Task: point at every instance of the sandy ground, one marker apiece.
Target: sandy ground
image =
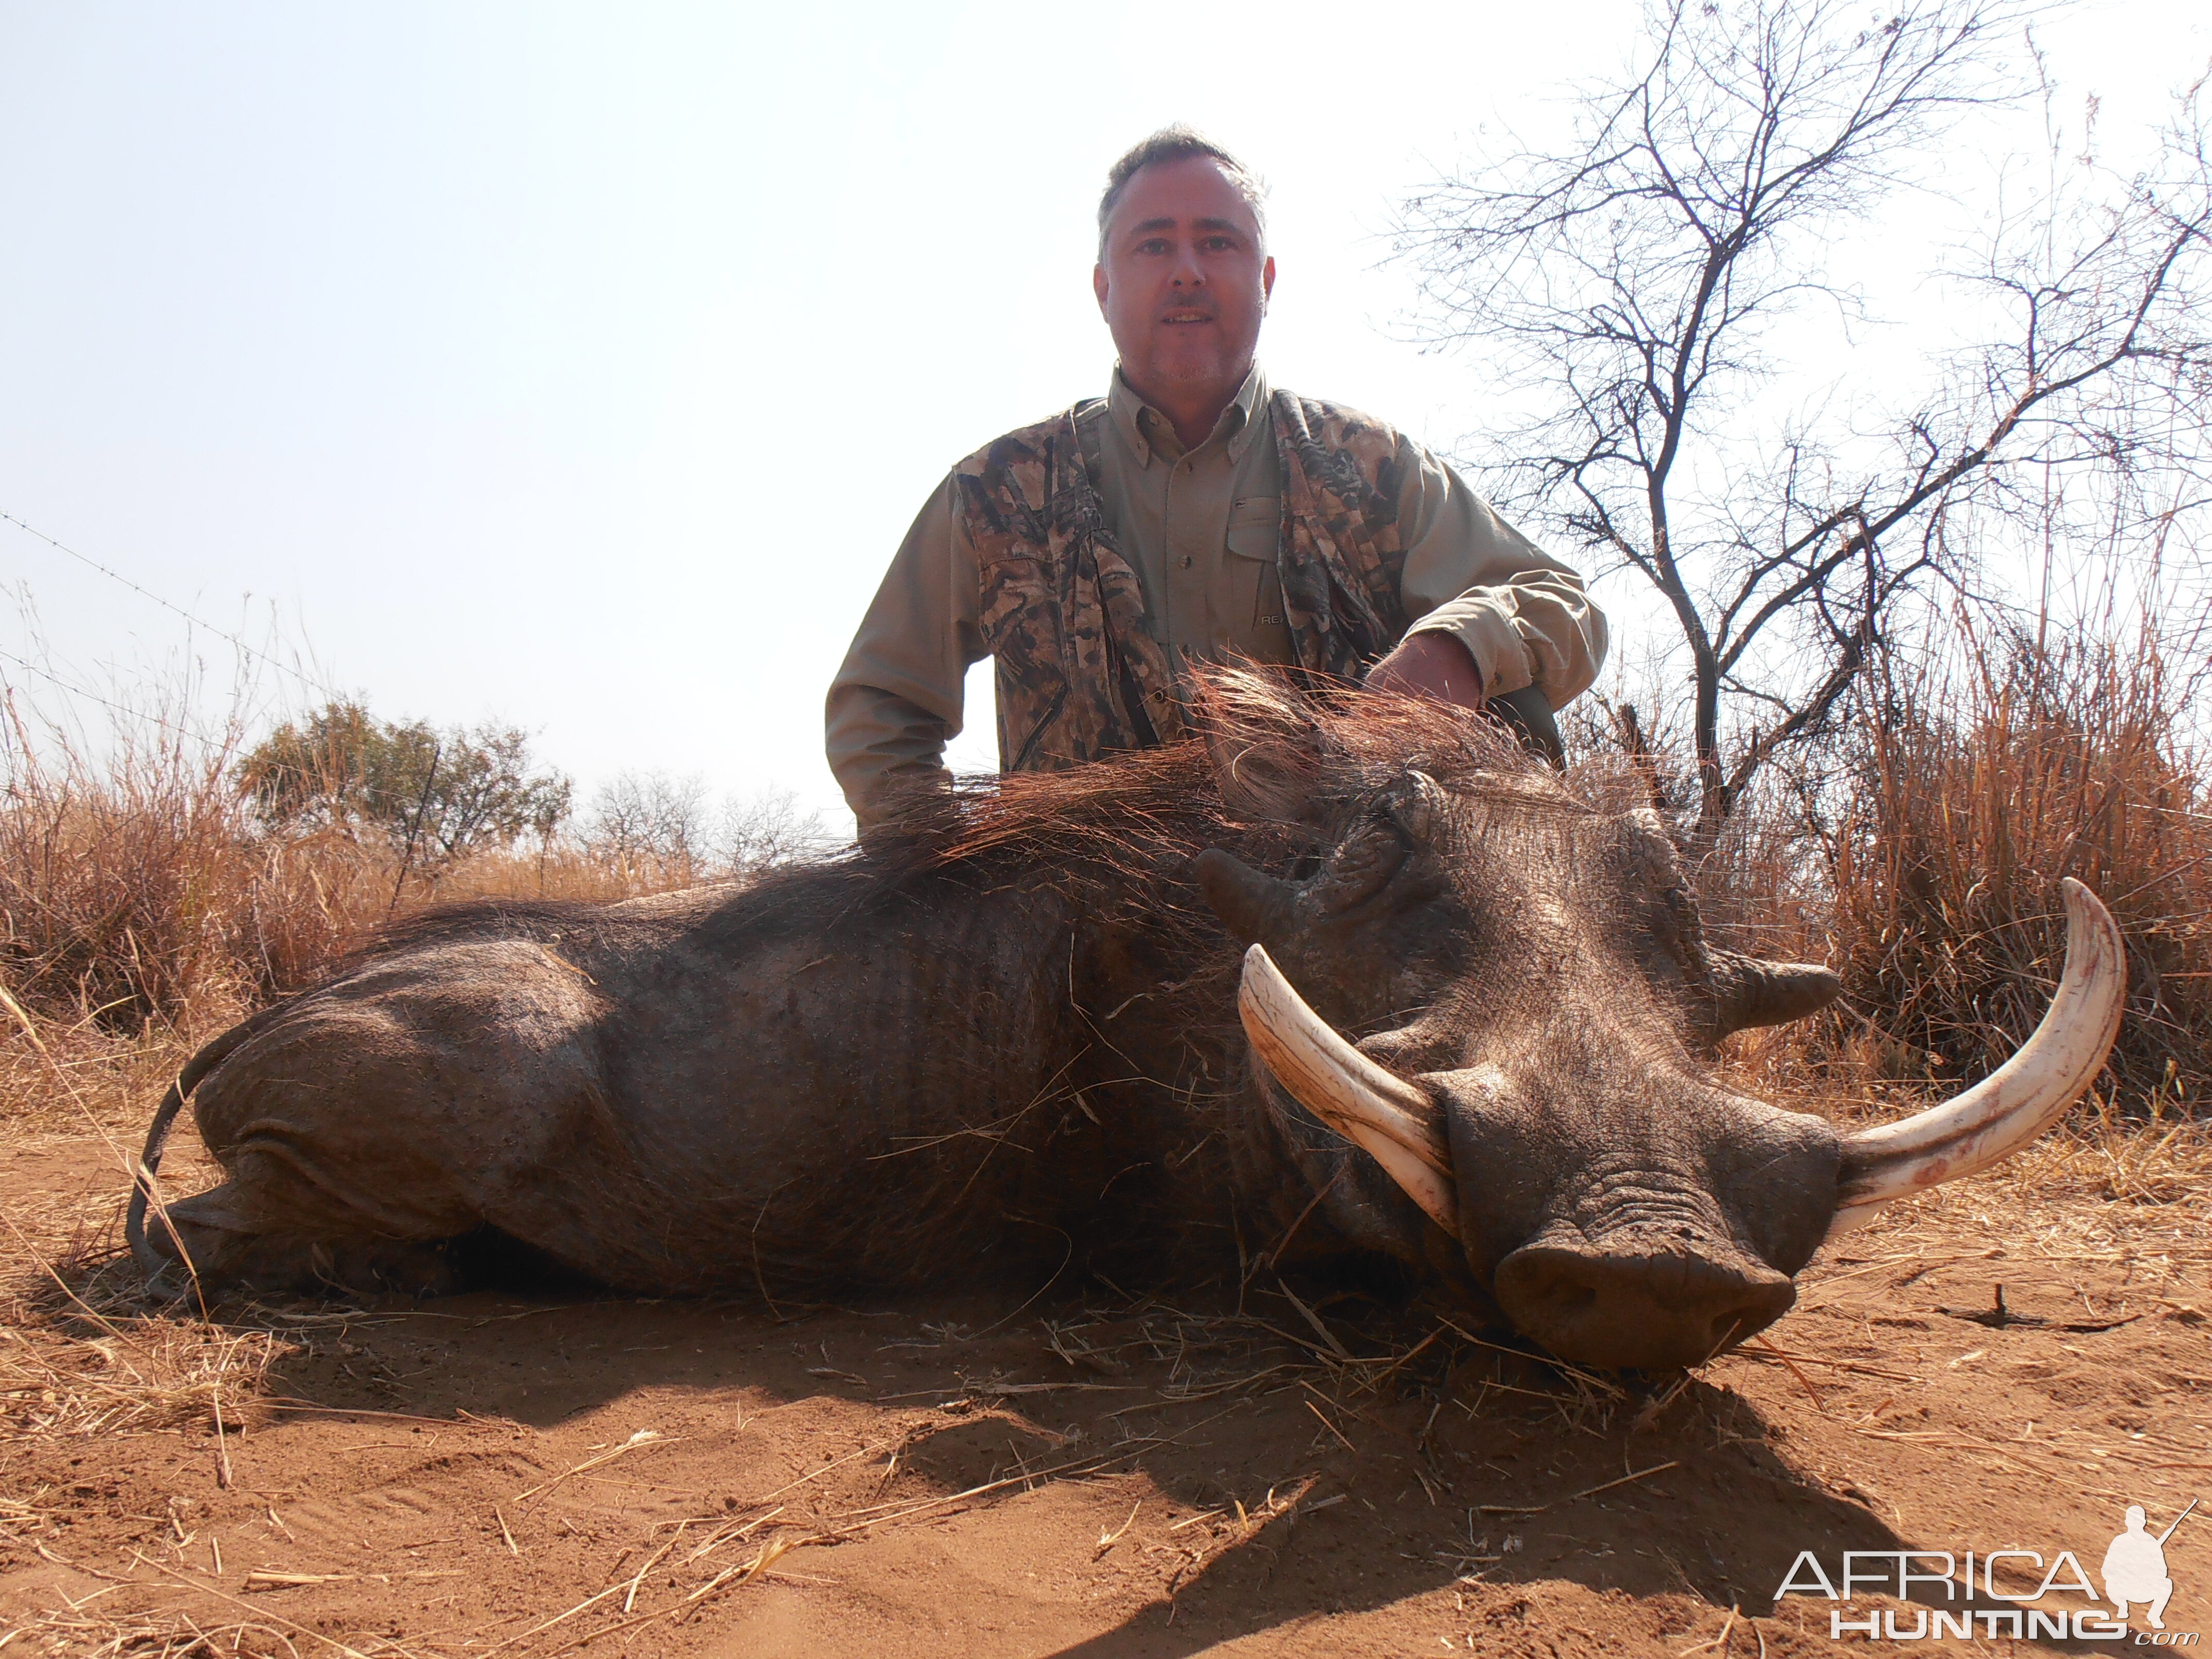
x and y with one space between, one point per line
1105 1476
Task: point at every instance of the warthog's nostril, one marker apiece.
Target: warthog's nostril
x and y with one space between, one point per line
1646 1304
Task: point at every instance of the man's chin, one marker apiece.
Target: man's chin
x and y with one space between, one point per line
1194 371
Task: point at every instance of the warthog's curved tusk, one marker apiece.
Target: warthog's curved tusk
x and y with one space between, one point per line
2016 1102
1385 1117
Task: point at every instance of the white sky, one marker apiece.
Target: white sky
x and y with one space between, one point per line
582 367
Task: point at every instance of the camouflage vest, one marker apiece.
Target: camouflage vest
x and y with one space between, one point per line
1079 674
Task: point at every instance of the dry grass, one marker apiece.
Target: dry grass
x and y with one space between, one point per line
1976 785
1919 853
138 887
143 908
92 1632
2106 1155
81 1352
134 1376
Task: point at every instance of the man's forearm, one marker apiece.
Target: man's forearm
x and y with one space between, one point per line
1539 628
1523 615
896 698
1437 665
881 746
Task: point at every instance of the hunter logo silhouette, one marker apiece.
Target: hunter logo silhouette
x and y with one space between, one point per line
2134 1572
2135 1568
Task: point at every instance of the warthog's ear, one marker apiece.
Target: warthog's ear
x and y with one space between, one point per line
1751 991
1264 744
1255 908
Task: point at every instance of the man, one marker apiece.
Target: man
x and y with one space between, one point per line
1191 515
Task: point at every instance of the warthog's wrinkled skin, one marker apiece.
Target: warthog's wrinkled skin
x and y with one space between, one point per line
1002 1043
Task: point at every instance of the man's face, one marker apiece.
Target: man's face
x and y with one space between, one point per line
1184 282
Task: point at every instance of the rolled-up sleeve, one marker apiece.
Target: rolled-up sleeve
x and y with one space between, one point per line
1523 616
895 701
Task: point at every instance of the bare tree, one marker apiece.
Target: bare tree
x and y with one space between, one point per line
1622 292
642 817
650 815
766 830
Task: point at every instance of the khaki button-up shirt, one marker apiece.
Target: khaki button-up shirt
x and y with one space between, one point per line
1200 528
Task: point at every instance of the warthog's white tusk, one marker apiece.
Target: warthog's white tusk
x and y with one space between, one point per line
1385 1117
2016 1102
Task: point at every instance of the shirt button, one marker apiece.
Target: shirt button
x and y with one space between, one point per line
1186 561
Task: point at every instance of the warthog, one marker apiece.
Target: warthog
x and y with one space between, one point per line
1004 1039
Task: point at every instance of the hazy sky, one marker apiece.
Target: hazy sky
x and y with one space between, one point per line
582 367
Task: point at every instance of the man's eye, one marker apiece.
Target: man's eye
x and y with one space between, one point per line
1154 245
1217 244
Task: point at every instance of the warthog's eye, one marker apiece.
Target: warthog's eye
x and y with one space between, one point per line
1418 804
1360 867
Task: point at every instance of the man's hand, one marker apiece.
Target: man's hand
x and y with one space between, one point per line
1432 665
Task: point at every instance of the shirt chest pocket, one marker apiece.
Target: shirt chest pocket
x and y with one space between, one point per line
1256 527
1250 612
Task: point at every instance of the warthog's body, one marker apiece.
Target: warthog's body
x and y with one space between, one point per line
1008 1041
804 1082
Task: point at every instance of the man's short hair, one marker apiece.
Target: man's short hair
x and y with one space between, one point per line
1177 144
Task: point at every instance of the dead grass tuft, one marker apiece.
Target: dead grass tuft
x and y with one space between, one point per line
82 1354
91 1631
139 1375
1918 853
2103 1155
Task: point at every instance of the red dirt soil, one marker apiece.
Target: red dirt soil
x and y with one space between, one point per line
1094 1473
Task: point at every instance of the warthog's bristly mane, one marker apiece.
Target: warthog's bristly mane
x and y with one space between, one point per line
1273 774
1276 774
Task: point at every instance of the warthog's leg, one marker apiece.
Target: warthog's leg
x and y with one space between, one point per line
249 1232
227 1251
370 1128
315 1198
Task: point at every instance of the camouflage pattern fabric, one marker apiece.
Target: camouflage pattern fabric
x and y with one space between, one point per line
1340 558
1079 674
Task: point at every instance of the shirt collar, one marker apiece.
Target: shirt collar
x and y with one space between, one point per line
1139 421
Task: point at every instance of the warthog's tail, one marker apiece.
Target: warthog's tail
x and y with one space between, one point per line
157 1139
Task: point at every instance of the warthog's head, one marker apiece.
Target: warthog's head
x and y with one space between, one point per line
1531 993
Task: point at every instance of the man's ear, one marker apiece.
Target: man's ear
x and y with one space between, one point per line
1266 282
1098 284
1262 741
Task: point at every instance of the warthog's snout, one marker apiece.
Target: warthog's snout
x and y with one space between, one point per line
1651 1304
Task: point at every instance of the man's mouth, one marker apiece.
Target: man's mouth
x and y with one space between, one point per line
1185 317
